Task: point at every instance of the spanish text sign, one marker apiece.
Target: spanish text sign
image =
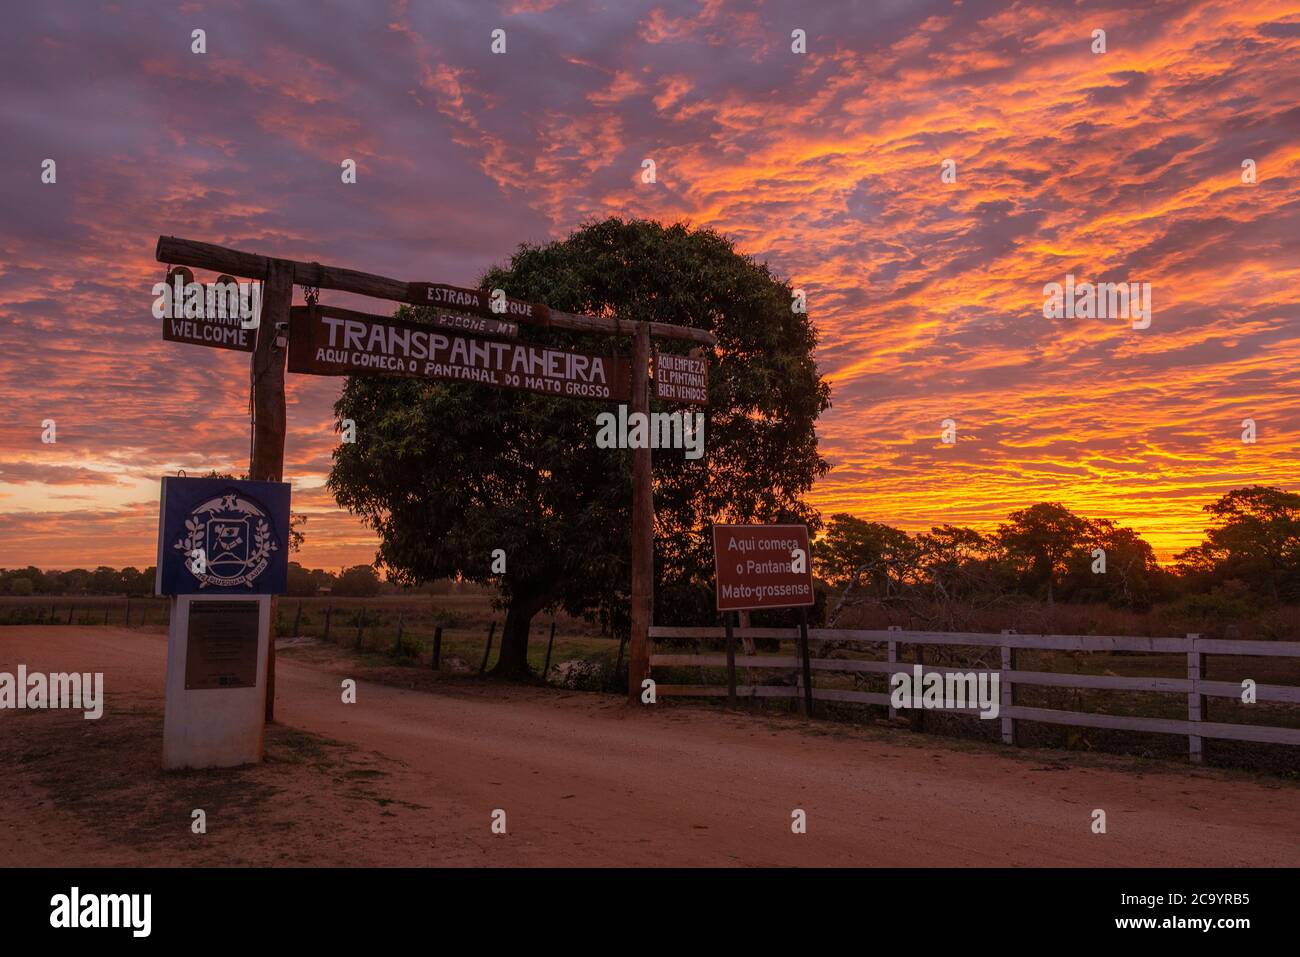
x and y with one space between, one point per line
762 566
223 536
681 378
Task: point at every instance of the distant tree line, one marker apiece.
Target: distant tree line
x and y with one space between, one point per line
1251 553
76 581
1047 552
359 581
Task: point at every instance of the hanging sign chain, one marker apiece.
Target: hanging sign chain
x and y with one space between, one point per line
311 293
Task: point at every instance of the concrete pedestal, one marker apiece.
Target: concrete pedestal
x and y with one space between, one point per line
215 723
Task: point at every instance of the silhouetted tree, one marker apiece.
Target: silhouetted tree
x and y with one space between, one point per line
1257 541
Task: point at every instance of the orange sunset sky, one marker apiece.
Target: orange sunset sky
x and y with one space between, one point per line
1118 166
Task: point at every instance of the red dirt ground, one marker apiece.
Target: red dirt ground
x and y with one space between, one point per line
411 777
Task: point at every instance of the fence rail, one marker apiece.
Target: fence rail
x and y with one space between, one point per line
1194 686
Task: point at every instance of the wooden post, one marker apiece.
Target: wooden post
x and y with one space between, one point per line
361 624
397 645
71 609
643 520
126 620
807 661
488 650
329 610
747 646
549 644
891 655
437 647
1195 700
1005 691
267 462
731 660
297 621
918 713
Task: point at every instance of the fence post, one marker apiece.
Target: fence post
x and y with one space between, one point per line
297 620
329 610
437 647
547 667
892 657
361 625
488 650
807 661
71 609
1006 697
397 645
918 712
127 619
1195 700
731 660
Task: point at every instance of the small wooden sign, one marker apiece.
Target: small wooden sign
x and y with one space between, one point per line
477 325
221 650
478 301
755 566
681 378
220 328
223 333
330 341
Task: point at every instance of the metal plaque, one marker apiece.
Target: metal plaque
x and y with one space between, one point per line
222 645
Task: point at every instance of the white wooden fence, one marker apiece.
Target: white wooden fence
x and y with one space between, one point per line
1193 647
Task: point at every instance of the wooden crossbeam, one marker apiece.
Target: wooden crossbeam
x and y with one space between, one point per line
188 252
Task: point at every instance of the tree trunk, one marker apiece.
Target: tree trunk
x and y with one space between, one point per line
513 660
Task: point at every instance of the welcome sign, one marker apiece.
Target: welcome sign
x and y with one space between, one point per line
223 536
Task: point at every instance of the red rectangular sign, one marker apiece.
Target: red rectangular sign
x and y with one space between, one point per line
755 566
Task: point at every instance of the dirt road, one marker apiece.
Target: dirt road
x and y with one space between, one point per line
412 777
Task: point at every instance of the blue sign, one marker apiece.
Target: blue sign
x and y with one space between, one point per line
223 537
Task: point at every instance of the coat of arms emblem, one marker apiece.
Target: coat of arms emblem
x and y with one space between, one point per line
228 542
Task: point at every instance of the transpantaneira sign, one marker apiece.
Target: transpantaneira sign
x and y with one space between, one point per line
762 566
328 341
681 378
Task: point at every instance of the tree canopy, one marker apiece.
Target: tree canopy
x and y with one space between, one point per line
1256 540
